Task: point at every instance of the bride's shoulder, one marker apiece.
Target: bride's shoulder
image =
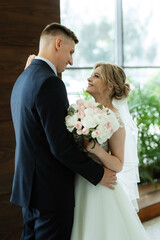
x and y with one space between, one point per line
118 116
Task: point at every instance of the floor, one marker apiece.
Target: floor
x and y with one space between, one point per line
153 228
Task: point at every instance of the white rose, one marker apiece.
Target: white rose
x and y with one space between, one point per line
113 121
100 118
70 129
89 104
71 121
73 106
104 134
89 112
89 122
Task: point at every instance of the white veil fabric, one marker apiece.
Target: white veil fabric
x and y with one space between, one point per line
129 176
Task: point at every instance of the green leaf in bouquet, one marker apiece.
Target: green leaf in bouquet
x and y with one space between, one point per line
100 106
92 129
94 140
74 131
71 111
108 112
88 135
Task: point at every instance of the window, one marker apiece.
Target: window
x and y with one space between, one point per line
119 31
141 34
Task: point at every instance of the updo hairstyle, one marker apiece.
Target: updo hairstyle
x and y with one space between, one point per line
115 78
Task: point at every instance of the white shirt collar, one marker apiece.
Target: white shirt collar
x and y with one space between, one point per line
48 62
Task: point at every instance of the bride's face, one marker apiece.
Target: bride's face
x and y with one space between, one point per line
96 85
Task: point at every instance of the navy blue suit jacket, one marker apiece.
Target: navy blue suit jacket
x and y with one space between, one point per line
46 156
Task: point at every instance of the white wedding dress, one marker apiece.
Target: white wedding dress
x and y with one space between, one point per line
104 214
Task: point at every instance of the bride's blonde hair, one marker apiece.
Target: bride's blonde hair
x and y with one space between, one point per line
115 78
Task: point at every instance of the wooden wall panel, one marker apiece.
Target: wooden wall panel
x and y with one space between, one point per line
21 23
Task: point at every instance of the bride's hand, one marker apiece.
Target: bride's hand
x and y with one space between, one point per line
89 146
29 60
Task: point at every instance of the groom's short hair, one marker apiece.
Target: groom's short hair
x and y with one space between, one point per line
55 29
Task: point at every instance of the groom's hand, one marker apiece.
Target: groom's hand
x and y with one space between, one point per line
109 178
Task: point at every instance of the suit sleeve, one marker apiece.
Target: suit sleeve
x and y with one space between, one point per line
51 104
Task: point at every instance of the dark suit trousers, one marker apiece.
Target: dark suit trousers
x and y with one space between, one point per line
46 225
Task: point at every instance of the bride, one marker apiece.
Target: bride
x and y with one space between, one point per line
102 213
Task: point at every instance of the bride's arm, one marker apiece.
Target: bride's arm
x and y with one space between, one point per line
113 161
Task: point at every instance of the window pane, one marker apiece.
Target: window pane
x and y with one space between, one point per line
141 32
143 75
93 23
75 81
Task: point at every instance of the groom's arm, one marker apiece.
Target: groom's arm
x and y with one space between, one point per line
52 106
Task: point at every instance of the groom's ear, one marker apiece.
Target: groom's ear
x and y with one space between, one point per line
57 43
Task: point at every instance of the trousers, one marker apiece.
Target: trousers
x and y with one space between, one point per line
46 224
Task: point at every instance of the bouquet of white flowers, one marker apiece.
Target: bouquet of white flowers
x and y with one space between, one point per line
92 120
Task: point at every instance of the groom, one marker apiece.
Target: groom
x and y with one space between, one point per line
46 156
